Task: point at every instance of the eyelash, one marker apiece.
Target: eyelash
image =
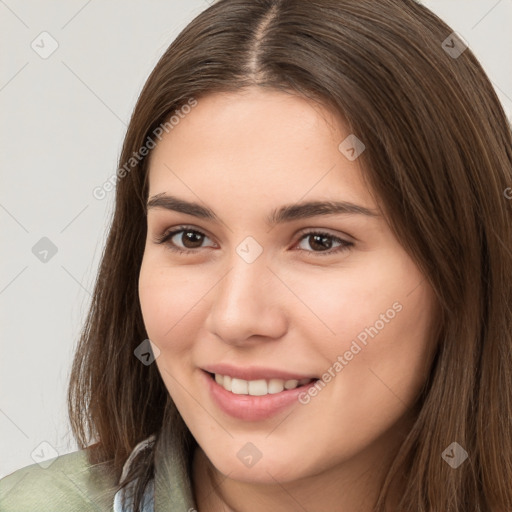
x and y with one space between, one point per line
165 239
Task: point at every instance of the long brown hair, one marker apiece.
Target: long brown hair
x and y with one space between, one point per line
438 157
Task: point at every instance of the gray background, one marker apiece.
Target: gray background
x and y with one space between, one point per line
64 118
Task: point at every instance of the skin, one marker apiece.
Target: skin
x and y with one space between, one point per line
295 307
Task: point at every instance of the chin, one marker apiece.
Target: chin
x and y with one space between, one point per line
275 468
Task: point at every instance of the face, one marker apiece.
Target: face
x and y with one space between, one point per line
331 297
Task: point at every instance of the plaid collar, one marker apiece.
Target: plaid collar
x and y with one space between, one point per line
171 488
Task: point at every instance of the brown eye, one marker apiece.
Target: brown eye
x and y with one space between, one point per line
190 239
182 239
186 240
323 242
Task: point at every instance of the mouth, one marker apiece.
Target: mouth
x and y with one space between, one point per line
254 400
259 387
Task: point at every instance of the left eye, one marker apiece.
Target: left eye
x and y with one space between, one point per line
192 239
325 242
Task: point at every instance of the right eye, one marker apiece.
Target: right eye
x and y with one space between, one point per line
190 238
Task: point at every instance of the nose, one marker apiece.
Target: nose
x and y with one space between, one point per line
247 303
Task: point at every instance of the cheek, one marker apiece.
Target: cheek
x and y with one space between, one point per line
402 354
378 322
385 372
384 302
338 305
169 300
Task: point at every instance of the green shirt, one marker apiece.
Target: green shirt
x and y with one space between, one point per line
71 484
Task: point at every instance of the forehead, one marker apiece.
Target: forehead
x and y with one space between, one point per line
256 142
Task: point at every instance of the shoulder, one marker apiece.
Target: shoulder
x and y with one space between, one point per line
68 484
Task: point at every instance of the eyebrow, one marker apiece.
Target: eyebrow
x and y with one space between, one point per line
286 213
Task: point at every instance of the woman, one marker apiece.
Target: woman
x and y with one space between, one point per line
304 300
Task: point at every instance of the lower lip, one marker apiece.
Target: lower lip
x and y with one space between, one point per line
252 408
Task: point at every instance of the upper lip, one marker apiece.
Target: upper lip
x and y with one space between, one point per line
254 372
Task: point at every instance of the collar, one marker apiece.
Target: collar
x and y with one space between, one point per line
171 488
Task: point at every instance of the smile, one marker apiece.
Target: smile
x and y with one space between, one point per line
253 400
258 387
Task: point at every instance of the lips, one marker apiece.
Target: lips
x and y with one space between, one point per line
255 372
249 407
257 387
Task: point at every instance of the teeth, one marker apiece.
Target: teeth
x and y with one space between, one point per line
275 386
239 387
257 387
291 384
